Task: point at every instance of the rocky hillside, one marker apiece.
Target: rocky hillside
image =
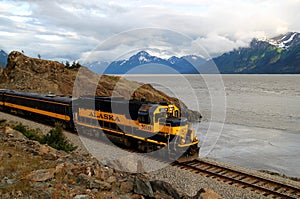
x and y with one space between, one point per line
31 170
43 76
28 74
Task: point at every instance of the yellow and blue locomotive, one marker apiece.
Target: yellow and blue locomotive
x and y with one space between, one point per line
146 127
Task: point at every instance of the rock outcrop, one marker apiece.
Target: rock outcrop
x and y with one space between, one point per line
35 75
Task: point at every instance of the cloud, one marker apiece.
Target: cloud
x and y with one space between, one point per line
72 29
217 44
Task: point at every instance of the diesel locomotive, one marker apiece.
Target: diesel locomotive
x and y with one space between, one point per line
146 127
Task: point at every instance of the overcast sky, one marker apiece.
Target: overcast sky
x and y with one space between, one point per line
69 29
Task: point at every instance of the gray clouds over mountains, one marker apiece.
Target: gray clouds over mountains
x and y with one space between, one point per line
71 29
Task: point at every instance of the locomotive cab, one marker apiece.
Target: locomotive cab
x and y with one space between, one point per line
153 113
165 118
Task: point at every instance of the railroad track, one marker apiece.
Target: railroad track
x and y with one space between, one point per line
267 187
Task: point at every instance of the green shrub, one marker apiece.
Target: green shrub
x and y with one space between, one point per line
57 140
30 134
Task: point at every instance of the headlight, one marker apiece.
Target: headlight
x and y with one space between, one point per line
182 140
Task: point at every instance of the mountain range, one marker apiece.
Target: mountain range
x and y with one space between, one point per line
279 55
143 62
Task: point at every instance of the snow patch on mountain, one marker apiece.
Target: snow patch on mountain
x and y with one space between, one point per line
285 41
143 59
123 62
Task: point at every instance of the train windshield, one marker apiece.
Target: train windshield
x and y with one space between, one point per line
143 117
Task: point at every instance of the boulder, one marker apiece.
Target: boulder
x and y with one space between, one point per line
143 187
164 188
128 163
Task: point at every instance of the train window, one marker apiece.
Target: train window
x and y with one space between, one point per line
145 119
163 110
176 113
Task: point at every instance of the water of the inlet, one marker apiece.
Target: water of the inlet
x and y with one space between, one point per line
262 123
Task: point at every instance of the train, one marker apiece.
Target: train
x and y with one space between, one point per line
156 128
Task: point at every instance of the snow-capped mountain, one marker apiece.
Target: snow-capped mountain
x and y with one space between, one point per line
286 40
143 62
140 58
280 55
3 58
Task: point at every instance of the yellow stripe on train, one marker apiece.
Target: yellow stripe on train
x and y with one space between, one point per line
42 112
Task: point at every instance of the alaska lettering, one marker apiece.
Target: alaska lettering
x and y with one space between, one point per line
104 116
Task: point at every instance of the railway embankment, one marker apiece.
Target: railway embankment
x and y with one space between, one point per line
29 169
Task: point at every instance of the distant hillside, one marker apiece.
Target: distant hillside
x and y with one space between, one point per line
279 55
3 58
